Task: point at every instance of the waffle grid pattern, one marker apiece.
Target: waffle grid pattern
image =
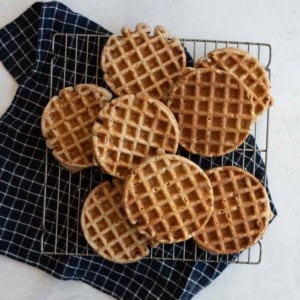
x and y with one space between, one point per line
241 212
130 129
169 198
106 228
247 69
139 62
213 111
67 124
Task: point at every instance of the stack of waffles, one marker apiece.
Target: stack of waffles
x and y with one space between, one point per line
156 196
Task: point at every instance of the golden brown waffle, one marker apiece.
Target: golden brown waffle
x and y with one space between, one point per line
131 128
202 62
106 228
247 69
213 110
241 212
67 123
168 197
137 61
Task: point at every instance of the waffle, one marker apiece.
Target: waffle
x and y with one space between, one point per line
241 212
131 128
168 197
106 228
202 62
247 69
213 110
67 123
137 61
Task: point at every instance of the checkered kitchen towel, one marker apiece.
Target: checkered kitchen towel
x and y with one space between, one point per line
25 50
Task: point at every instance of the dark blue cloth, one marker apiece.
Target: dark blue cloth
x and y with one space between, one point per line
25 50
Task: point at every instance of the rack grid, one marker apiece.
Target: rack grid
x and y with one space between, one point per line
75 59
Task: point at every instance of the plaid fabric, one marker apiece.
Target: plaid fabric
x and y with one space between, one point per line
25 50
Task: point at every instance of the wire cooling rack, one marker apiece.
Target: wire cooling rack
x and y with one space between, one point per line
75 59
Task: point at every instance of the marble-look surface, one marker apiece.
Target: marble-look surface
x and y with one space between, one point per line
273 21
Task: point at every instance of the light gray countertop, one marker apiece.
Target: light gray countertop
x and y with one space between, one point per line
276 22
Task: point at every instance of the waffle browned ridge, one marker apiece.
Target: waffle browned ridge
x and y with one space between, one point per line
213 110
131 128
168 197
245 68
137 61
106 228
241 212
67 123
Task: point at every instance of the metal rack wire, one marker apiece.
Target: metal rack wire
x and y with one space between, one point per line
75 59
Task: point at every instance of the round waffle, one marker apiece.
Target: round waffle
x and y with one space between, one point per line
137 61
67 123
213 110
106 228
245 68
131 128
241 212
168 197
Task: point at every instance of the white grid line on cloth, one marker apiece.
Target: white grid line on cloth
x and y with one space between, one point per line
28 23
163 288
11 54
36 211
14 52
